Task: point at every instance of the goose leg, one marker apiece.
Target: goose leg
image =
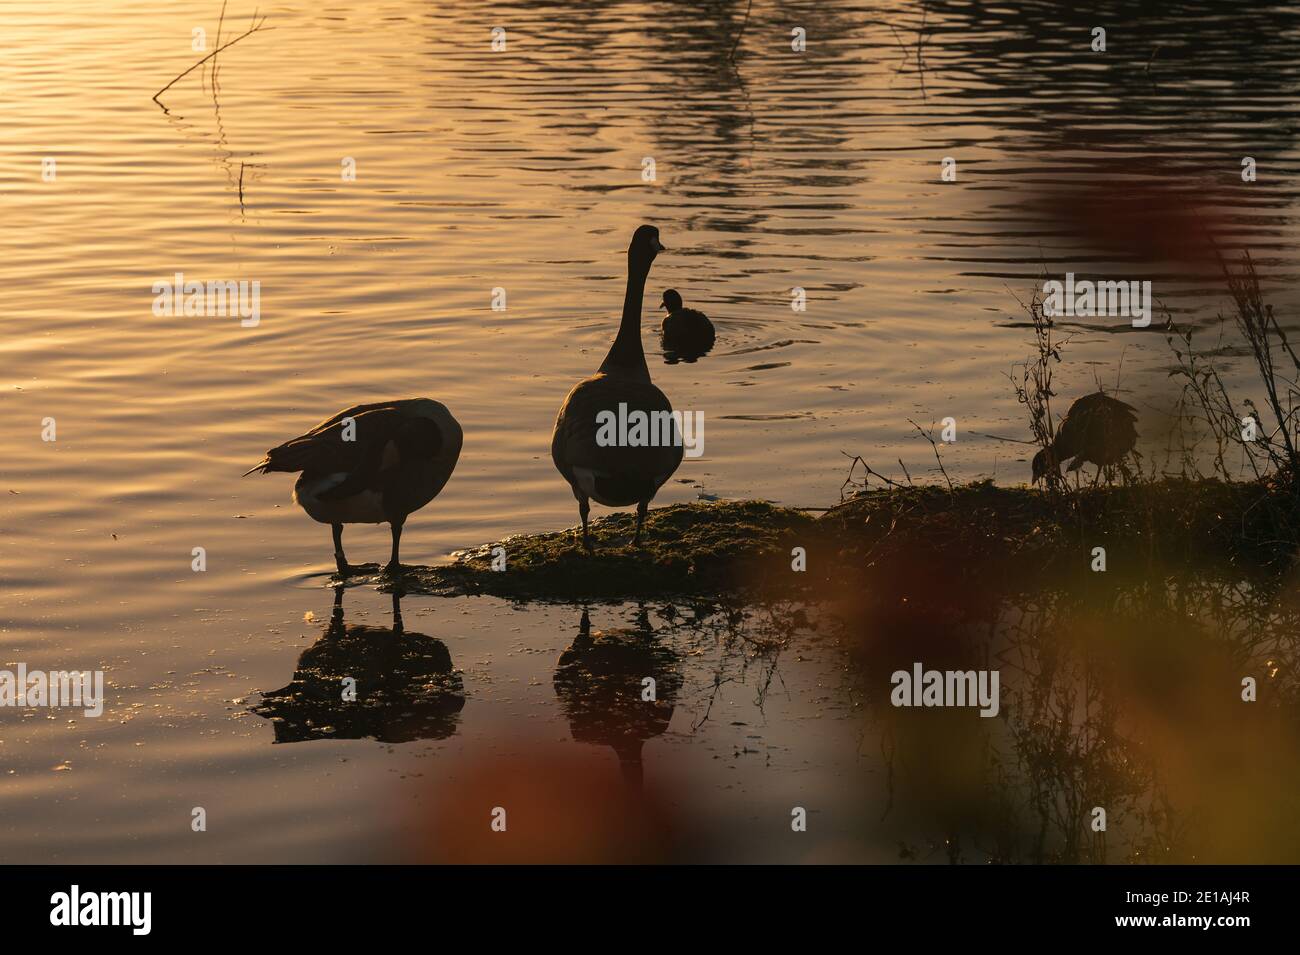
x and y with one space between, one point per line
340 559
641 509
393 564
584 509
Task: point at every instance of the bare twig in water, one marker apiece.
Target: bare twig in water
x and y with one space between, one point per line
221 22
929 436
1034 389
901 45
856 459
257 26
920 42
744 23
1265 446
241 188
1259 327
998 437
907 52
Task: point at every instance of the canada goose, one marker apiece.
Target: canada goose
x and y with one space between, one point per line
370 464
1097 429
686 333
618 474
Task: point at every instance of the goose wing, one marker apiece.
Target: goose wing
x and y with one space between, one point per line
374 431
1102 404
1098 428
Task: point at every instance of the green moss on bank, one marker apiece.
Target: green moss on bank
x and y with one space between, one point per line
688 549
1013 537
1205 524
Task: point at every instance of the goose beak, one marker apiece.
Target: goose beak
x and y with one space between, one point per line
659 246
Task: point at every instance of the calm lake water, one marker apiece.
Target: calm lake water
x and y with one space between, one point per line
522 169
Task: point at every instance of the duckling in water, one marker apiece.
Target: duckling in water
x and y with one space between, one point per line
687 334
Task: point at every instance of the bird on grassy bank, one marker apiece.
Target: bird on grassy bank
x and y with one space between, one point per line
1098 429
618 473
371 464
687 334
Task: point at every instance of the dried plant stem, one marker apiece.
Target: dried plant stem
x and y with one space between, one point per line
257 26
744 23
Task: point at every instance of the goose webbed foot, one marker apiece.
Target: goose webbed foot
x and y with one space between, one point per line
394 577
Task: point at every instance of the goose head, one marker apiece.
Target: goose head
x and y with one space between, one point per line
1044 463
645 246
672 301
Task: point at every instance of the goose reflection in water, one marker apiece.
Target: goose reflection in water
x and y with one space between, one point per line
405 686
599 681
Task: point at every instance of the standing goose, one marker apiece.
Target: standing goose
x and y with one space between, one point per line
370 464
687 333
1097 429
617 475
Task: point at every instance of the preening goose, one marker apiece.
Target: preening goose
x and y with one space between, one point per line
1097 429
618 474
370 464
687 333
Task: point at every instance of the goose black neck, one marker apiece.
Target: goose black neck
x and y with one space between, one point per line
626 354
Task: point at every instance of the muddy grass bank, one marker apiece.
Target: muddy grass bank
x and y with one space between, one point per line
1016 539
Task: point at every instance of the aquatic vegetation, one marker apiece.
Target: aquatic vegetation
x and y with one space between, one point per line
1030 536
1127 697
